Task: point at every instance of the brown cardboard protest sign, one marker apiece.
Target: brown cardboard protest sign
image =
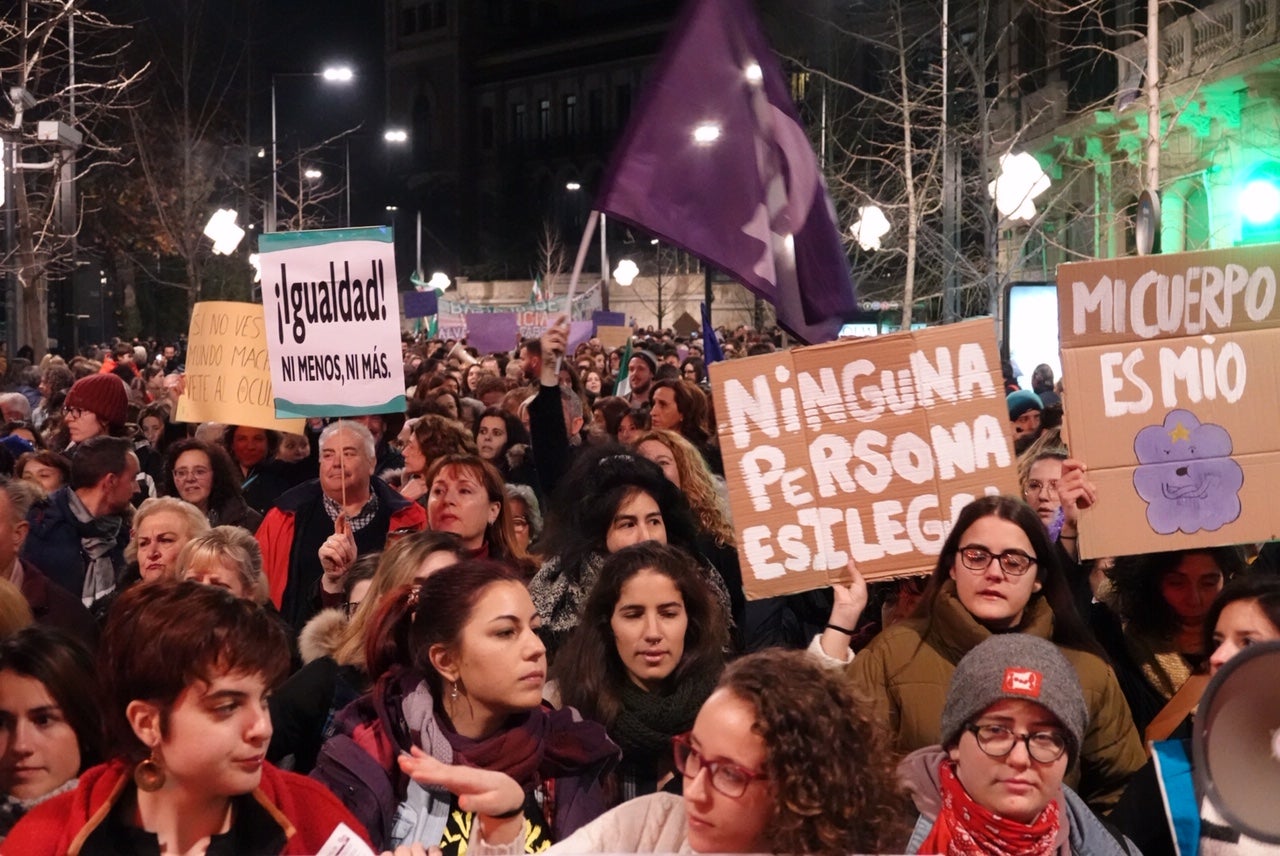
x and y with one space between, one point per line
228 378
613 336
1171 400
866 448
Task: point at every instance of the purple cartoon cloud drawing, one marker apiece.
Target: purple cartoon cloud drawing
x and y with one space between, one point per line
1186 475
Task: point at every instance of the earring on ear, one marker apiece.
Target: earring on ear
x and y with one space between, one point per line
453 692
149 774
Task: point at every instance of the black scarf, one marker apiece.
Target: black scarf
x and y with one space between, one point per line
649 720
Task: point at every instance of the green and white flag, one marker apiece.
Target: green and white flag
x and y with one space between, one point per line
622 386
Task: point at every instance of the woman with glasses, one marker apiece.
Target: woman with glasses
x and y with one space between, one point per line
203 475
1013 724
997 573
781 759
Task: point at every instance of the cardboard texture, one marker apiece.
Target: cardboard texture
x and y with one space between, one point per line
865 447
1169 369
227 378
612 336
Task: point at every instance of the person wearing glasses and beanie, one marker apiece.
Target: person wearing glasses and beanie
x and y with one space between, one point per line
997 573
781 759
1013 724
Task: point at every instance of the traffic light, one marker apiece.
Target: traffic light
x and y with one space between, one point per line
1259 203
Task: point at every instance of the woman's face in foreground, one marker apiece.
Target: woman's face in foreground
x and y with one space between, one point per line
724 732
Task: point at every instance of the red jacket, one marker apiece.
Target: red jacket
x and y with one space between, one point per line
275 535
304 810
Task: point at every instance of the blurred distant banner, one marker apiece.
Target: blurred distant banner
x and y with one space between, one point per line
420 304
333 322
492 332
715 160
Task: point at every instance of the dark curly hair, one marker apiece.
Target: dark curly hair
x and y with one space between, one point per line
226 476
835 786
1136 583
588 497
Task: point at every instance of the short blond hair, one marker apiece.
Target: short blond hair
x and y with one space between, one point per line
233 543
197 523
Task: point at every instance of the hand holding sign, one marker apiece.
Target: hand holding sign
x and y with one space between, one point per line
849 603
337 555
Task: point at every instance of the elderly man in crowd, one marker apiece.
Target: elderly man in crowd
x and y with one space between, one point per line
314 532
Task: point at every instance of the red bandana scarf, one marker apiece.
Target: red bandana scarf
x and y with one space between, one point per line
964 828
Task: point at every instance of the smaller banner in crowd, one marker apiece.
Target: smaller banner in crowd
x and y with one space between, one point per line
865 449
458 318
1169 364
333 325
227 377
492 332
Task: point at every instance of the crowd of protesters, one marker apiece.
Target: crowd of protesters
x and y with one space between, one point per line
512 618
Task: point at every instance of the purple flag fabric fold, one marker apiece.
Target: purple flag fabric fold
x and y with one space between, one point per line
715 160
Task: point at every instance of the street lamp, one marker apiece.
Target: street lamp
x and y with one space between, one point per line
332 74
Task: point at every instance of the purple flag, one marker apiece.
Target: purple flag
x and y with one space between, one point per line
714 160
492 332
711 350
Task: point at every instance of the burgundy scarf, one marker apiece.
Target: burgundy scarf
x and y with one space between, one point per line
539 745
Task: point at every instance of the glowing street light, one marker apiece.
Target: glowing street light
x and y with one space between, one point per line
224 232
626 272
395 135
331 74
572 186
312 173
872 225
1020 181
439 281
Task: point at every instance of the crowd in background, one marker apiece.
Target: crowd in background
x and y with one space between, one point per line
512 617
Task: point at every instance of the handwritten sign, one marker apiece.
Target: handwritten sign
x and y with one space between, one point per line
1171 399
227 377
333 325
865 449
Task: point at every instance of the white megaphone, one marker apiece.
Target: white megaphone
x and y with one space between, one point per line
1236 742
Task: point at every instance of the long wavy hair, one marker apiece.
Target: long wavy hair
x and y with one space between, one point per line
589 671
396 568
697 483
833 775
1068 629
1136 587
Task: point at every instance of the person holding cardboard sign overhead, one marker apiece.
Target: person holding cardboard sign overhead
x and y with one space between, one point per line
314 532
997 573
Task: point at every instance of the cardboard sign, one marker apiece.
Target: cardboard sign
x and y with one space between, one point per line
613 336
1171 400
333 325
862 448
227 377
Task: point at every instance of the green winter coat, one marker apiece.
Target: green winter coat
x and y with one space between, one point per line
905 671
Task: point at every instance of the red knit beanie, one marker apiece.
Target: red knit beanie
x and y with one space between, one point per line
103 395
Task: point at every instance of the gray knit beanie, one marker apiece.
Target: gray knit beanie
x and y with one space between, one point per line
1016 666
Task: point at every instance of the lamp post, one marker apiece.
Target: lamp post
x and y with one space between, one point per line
333 74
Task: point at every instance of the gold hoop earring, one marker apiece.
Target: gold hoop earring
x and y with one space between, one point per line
149 774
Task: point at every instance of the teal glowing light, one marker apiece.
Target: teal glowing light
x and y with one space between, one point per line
1260 201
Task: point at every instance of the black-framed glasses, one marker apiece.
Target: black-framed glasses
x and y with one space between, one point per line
997 741
73 412
1015 563
726 777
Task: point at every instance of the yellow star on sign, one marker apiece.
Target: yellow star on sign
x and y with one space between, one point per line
1179 432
